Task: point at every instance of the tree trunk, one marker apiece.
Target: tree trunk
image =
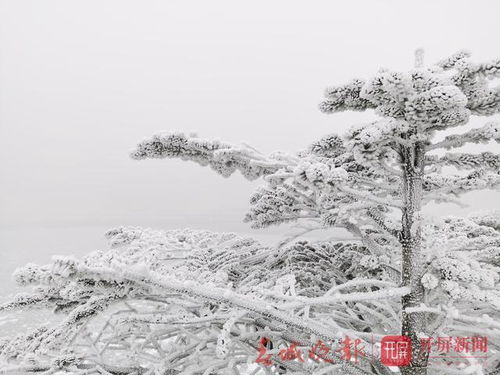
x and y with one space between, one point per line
412 257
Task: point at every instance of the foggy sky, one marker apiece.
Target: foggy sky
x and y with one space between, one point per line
82 81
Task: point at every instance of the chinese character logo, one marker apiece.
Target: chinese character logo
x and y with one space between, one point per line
351 350
291 353
396 350
319 351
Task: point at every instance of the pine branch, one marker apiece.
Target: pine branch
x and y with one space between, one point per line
454 184
485 160
224 158
379 220
345 97
484 134
370 197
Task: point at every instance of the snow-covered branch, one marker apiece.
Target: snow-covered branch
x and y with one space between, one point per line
484 160
224 158
488 132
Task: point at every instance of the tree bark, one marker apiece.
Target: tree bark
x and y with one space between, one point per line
412 257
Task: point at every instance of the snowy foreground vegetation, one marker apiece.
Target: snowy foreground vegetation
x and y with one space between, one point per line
196 302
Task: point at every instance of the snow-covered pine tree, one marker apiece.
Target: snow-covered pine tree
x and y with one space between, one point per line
371 183
385 167
414 107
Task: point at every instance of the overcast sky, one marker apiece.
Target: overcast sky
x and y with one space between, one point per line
82 81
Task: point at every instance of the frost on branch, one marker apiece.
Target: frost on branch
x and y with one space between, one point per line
484 134
188 300
346 97
224 158
484 160
462 261
274 205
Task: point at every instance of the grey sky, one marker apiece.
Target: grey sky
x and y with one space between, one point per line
82 81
